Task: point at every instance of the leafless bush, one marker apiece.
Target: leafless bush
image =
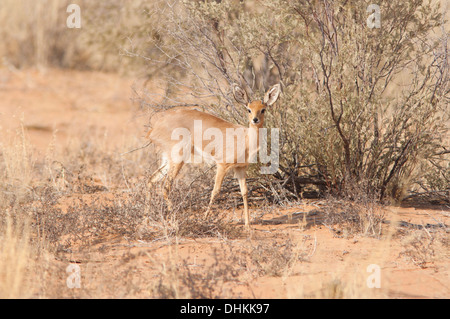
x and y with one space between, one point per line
350 216
424 245
186 280
278 259
141 214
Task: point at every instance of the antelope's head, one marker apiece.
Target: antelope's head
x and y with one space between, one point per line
256 109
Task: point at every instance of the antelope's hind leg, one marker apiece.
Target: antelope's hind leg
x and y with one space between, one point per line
171 175
166 174
220 174
161 173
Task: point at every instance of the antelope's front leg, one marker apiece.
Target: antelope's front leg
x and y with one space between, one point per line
241 176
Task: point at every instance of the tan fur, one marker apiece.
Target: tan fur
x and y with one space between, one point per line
163 124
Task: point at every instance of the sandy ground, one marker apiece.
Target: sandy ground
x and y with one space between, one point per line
54 104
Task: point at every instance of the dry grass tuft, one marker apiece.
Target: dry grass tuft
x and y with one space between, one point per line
346 218
15 253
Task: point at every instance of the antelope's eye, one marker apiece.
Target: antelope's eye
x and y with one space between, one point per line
262 111
249 111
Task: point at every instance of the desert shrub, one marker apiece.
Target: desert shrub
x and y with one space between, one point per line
94 216
346 218
178 279
360 105
434 183
278 259
35 33
423 245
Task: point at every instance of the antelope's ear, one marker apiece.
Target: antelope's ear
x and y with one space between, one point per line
240 95
272 95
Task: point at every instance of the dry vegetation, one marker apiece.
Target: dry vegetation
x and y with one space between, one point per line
364 120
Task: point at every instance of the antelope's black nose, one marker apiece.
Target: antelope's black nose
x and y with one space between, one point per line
256 120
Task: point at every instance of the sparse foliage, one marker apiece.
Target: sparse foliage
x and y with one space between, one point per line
360 105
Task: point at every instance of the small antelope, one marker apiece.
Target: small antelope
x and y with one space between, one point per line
183 119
